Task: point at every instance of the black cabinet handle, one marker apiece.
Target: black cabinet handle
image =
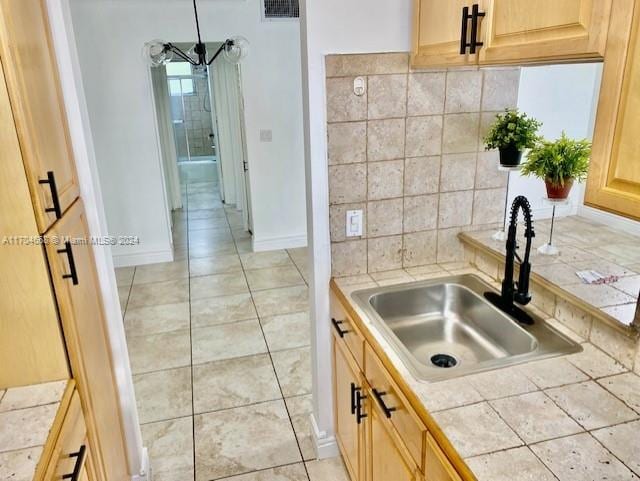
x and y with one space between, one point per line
475 15
359 414
379 395
73 273
336 324
463 31
79 455
354 390
51 180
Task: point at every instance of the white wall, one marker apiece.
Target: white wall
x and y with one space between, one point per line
562 97
334 26
110 35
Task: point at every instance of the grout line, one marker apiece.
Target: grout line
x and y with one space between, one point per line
193 420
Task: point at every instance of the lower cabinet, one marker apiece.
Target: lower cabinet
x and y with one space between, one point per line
71 457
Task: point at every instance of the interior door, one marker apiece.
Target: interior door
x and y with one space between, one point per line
385 457
438 33
348 431
524 31
613 183
34 88
77 289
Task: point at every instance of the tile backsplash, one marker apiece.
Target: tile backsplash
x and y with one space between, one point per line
409 154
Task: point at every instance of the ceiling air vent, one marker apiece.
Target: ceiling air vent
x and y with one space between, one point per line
274 9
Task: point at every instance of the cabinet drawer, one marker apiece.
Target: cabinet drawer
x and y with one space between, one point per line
437 466
71 449
396 407
345 329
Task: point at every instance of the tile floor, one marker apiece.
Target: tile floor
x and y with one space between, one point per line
219 348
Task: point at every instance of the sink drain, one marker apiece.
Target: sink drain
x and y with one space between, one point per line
443 360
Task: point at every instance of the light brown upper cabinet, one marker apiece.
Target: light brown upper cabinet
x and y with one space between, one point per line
613 183
31 344
499 32
32 80
77 289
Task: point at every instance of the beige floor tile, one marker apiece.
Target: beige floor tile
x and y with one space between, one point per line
124 276
25 428
223 264
331 469
218 285
300 408
623 441
209 250
31 396
625 387
234 441
581 457
273 277
552 373
291 472
210 213
244 246
293 368
234 382
156 352
263 260
219 223
157 319
158 293
534 417
590 405
123 295
222 310
518 464
19 465
281 301
595 363
227 341
287 331
209 236
476 429
502 383
170 445
166 271
163 395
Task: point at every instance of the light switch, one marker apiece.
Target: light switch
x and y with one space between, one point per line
266 136
354 223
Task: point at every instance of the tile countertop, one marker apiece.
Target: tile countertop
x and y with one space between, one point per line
26 417
571 418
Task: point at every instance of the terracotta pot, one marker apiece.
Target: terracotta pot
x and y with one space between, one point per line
510 156
558 191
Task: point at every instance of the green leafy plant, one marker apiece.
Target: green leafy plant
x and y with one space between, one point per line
559 161
512 129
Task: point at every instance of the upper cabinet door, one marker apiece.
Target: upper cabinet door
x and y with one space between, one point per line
522 31
439 33
38 109
613 183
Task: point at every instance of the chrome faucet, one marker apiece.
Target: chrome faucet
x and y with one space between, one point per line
513 292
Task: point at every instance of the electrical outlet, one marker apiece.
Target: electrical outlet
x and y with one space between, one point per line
354 223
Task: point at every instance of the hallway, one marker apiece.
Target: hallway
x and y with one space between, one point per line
219 346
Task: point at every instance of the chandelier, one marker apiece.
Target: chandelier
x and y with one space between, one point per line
159 53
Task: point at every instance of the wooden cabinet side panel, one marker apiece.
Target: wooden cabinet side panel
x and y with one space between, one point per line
613 183
89 353
34 88
31 345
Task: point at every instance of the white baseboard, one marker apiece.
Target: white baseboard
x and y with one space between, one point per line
615 221
142 258
324 444
145 471
275 243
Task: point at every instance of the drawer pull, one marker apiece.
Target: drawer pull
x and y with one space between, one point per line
51 180
359 414
354 391
475 15
336 324
73 273
379 395
463 31
79 455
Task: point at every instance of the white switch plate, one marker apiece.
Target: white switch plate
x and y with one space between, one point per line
266 136
354 223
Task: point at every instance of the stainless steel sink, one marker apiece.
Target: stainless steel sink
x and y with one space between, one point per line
445 328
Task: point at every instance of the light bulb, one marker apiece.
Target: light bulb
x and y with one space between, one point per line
155 54
236 50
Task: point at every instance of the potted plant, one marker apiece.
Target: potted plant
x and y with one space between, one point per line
559 164
511 133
